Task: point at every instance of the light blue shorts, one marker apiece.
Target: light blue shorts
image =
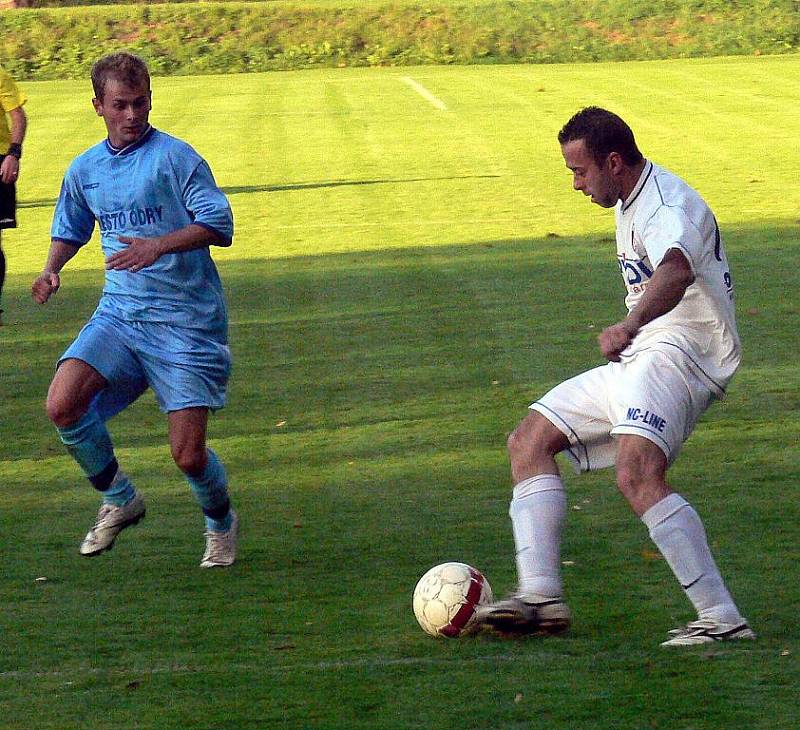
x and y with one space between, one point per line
184 368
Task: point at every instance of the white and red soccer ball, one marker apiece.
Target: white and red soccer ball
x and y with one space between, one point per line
446 597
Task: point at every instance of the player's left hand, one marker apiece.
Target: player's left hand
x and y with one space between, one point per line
9 170
614 339
139 253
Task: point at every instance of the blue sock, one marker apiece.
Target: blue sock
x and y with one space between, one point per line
120 491
89 443
211 490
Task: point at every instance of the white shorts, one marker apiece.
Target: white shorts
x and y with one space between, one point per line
653 395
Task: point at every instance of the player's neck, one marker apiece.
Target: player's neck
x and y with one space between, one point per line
630 179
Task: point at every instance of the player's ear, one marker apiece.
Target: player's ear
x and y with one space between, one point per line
98 106
615 162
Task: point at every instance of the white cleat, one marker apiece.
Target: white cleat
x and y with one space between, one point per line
706 631
221 546
111 520
520 615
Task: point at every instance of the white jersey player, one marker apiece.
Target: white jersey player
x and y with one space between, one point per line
669 358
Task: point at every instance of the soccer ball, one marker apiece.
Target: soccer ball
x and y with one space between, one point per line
446 597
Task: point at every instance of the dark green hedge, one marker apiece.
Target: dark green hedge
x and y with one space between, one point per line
231 37
86 3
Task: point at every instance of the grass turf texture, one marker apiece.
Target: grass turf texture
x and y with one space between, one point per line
404 280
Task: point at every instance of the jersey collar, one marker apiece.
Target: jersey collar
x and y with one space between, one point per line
127 149
643 178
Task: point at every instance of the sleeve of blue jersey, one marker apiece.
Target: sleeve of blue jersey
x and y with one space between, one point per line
207 203
73 222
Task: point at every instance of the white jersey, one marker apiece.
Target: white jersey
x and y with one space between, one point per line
661 213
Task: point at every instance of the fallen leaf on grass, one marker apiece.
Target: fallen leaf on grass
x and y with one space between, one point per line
651 555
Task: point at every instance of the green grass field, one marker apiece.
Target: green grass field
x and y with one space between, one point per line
405 279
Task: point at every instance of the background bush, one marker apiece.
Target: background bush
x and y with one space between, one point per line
228 37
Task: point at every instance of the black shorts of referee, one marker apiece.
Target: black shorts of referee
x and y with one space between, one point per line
8 203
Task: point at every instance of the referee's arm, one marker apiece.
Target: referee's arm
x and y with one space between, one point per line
9 170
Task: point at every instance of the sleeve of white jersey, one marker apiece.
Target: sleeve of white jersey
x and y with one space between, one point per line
669 228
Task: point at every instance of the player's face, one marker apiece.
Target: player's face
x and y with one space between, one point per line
598 181
125 110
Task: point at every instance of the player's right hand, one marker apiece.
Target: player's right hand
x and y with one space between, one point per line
614 339
45 285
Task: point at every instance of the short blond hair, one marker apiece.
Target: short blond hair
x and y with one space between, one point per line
124 67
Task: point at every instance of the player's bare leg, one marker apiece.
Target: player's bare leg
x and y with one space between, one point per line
537 511
206 476
74 386
69 407
678 533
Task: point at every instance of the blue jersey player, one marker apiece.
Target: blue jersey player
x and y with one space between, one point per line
161 321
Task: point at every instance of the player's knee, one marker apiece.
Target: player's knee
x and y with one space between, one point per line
519 442
535 437
628 478
637 476
62 413
190 458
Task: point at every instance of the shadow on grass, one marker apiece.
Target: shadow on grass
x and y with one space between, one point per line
314 185
369 403
237 190
340 340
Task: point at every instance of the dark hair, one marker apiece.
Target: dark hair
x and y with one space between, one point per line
124 67
603 132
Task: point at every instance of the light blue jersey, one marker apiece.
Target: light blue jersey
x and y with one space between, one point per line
152 187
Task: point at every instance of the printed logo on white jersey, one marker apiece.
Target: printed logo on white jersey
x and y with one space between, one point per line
635 271
726 276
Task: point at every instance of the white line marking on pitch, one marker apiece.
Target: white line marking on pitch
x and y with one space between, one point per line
424 93
376 663
344 664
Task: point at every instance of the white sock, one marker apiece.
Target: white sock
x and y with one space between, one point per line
537 512
678 533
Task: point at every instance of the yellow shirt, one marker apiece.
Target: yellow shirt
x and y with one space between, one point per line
11 97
